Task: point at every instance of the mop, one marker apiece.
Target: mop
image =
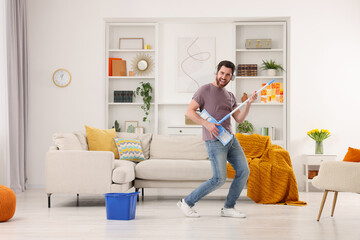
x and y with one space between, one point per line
224 136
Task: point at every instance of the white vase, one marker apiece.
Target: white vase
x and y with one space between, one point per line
247 133
271 72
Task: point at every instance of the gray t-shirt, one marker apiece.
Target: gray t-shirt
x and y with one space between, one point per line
218 102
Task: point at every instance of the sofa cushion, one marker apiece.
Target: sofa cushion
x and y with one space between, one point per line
145 140
168 169
66 141
101 140
81 136
123 171
178 147
129 149
352 155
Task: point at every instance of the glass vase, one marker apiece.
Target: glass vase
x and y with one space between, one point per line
319 148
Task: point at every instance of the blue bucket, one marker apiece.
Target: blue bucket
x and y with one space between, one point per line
120 206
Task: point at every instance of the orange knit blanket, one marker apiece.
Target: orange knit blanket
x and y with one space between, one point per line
272 179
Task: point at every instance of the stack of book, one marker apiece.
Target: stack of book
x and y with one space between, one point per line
123 96
247 70
268 131
273 93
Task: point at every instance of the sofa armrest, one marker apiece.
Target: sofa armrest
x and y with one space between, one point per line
78 171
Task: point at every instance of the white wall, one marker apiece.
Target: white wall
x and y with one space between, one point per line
4 118
324 50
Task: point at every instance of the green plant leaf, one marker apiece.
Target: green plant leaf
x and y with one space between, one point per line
144 91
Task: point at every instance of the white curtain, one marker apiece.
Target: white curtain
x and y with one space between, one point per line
4 117
17 75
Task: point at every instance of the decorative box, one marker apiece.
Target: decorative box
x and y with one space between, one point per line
258 43
123 96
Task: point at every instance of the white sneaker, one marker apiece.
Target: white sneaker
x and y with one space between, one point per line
232 212
188 211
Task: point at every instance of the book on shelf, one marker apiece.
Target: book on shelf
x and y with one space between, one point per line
269 131
110 64
119 68
123 96
247 70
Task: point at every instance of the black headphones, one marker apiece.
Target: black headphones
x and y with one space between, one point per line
227 64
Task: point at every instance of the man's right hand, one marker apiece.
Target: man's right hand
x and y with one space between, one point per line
211 127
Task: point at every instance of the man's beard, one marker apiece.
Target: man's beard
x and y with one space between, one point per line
218 83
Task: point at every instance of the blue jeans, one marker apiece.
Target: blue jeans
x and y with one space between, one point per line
219 155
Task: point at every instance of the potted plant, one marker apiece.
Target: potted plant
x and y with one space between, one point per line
246 127
144 91
271 67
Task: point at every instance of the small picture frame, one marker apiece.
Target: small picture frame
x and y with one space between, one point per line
139 130
131 43
130 126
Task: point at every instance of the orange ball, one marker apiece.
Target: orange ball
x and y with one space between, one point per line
7 203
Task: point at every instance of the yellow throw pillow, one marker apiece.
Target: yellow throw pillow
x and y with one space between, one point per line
352 155
101 140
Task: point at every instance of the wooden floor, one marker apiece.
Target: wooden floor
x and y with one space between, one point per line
159 218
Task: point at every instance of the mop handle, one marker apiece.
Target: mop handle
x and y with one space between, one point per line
227 116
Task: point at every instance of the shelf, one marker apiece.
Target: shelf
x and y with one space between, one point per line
266 104
259 50
275 112
126 104
258 77
319 155
132 50
185 126
131 77
178 103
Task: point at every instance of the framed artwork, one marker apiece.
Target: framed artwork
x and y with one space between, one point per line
131 43
130 126
139 130
196 63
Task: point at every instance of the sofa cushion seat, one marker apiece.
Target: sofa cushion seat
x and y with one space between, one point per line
170 169
123 171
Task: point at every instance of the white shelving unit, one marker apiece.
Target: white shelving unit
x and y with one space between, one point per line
262 114
130 111
167 116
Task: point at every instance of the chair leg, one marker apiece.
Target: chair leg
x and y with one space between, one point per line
77 199
322 204
142 194
334 203
49 200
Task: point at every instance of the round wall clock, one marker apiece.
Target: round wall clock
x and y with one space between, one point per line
62 77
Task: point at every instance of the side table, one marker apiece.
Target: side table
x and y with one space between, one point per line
312 163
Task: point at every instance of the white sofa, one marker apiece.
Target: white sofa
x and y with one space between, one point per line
171 161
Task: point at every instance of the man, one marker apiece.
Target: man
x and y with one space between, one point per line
218 102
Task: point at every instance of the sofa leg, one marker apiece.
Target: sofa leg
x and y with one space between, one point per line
77 199
142 194
49 200
334 203
137 198
322 204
